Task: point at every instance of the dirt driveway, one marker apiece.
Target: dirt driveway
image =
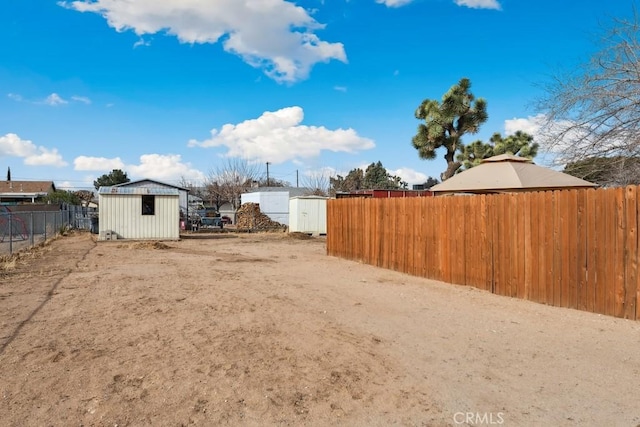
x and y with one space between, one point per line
268 330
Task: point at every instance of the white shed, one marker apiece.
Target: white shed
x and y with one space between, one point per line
308 214
143 213
152 183
274 204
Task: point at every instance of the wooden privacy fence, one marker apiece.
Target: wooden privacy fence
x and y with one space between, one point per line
570 248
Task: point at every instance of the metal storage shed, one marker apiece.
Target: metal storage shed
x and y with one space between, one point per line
143 213
308 214
152 183
274 204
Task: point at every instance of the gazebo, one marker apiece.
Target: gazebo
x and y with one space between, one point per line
508 173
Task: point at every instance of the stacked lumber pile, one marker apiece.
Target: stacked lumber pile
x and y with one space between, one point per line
249 217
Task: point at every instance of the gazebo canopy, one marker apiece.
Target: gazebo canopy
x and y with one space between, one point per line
507 172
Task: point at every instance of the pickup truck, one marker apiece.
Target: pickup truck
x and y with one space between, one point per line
212 221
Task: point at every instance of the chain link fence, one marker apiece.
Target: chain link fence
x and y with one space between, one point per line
24 229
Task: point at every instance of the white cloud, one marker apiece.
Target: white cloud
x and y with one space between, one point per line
86 163
15 97
473 4
167 167
45 157
162 167
409 175
479 4
141 42
530 125
82 99
278 137
54 100
11 145
276 35
394 3
340 88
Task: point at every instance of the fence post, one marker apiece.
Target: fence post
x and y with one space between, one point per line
45 225
10 233
31 229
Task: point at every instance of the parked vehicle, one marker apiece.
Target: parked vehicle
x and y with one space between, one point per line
210 222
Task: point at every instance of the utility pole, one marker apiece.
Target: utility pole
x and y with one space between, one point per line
267 174
297 178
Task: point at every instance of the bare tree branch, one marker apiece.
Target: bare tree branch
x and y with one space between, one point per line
229 180
595 111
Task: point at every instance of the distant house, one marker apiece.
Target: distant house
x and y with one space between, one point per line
25 192
142 210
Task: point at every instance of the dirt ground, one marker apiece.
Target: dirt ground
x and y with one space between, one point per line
266 329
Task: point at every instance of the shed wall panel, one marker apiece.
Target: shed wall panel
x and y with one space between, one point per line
308 215
122 214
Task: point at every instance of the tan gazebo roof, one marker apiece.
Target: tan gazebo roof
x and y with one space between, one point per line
507 172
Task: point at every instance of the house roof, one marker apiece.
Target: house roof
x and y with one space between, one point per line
507 172
31 187
151 181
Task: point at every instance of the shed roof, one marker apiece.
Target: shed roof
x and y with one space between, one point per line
151 181
153 191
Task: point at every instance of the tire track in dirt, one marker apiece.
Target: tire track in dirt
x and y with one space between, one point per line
58 278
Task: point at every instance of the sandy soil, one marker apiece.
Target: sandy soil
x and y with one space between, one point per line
268 330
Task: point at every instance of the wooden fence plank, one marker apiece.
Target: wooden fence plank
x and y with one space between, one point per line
562 245
631 253
438 224
542 252
581 251
428 230
469 245
619 253
534 258
572 240
498 253
492 234
513 248
527 253
601 252
592 250
610 209
550 239
637 283
445 242
517 245
484 248
460 257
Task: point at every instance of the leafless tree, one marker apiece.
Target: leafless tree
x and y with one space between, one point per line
227 181
317 182
595 110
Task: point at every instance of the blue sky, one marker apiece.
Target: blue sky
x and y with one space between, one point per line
167 89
